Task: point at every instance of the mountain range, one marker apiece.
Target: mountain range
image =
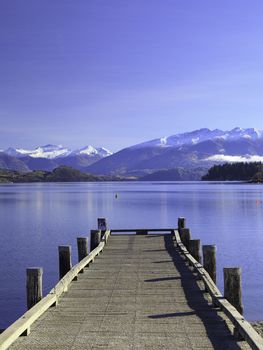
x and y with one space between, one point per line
49 157
199 149
57 151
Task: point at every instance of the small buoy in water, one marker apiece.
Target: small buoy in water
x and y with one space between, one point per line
116 196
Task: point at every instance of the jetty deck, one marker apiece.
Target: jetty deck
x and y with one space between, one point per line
138 294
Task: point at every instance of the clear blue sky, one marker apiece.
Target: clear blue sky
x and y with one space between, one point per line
118 72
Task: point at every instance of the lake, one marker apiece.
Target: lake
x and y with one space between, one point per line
36 218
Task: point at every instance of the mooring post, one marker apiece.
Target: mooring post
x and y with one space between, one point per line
34 285
95 238
209 260
185 237
181 224
194 249
64 260
102 226
232 287
82 243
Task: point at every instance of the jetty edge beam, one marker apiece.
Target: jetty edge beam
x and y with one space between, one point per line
242 326
22 325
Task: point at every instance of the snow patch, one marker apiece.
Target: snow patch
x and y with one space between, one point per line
92 151
163 140
195 140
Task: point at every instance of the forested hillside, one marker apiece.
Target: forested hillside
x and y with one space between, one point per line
235 172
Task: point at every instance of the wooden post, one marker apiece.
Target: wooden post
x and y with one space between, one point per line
34 285
82 247
181 223
194 249
185 237
232 287
209 260
95 238
64 260
82 243
102 224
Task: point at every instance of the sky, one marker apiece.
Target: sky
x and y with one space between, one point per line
119 72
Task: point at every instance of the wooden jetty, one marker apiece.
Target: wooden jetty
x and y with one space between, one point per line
134 291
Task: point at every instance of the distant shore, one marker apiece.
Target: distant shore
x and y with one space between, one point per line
60 174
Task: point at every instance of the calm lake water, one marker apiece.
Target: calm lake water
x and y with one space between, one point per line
36 218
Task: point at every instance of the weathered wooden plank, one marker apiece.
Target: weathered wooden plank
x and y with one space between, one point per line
25 321
245 329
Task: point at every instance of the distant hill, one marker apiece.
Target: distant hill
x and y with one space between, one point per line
12 163
178 174
80 162
60 174
235 172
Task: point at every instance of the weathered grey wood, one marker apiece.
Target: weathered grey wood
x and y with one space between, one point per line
91 307
209 260
34 285
194 249
181 223
185 237
252 337
65 264
22 325
102 224
232 287
24 322
82 243
95 238
243 327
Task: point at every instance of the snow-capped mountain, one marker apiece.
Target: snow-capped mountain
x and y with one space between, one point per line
47 151
49 157
56 151
199 148
92 151
201 135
